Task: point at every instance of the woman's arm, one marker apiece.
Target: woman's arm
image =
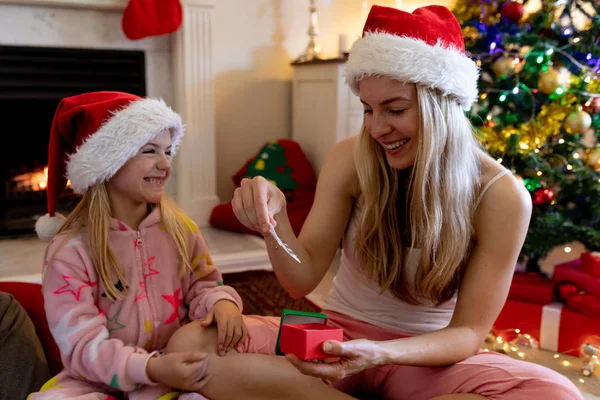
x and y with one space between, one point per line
500 228
323 229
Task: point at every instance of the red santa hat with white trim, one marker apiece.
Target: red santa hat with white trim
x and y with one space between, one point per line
425 47
92 136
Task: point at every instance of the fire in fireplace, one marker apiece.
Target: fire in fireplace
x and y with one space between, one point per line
34 181
32 82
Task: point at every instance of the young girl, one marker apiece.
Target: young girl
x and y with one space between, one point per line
431 228
127 267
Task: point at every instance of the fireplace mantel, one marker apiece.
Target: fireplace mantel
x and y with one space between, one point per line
104 5
193 97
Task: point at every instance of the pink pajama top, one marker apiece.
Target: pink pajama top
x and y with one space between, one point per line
110 342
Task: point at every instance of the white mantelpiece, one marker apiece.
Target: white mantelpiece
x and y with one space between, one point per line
179 69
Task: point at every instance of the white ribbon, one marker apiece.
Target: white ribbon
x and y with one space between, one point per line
550 326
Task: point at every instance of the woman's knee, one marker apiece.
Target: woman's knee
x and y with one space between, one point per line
511 378
193 337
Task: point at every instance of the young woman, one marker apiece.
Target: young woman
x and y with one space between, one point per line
431 228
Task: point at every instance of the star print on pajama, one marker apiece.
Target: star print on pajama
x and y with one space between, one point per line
113 323
175 301
74 285
151 272
197 264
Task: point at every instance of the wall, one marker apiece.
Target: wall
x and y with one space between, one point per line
255 42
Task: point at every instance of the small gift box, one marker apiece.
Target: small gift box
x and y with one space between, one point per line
306 340
590 263
303 333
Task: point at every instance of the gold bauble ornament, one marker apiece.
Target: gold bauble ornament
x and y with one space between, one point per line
578 122
550 81
503 66
593 158
524 50
471 33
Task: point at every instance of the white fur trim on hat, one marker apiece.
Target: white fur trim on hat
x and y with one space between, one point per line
46 226
410 60
118 139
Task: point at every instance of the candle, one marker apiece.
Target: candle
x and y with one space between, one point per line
342 45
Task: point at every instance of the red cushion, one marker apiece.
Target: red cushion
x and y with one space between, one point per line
31 299
291 172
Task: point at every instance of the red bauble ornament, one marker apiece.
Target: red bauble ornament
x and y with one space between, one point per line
542 196
592 106
513 11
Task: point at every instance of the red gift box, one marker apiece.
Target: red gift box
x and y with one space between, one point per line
305 340
531 288
557 328
590 263
572 272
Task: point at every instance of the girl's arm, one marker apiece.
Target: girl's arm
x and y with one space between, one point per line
203 287
323 229
80 328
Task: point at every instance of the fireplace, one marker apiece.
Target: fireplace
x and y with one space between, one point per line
32 82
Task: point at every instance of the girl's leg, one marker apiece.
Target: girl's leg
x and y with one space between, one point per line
62 386
251 376
489 375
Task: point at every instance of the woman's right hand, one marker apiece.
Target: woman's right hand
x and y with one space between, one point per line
256 202
185 371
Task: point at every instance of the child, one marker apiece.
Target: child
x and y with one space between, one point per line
127 267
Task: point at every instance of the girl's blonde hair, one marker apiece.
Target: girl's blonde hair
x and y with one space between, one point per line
93 214
441 189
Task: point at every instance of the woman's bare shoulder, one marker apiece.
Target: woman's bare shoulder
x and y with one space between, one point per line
507 193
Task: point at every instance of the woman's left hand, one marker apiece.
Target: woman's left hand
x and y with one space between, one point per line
231 330
347 358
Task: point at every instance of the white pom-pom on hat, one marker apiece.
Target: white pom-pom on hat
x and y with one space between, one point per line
46 226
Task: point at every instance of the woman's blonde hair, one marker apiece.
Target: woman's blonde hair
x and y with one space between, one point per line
441 189
92 215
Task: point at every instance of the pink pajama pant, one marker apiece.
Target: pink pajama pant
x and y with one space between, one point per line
488 374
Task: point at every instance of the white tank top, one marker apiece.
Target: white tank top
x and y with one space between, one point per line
355 295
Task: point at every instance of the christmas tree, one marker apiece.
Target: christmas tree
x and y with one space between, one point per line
538 111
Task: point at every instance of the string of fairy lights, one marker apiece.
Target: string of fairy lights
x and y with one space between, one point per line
589 353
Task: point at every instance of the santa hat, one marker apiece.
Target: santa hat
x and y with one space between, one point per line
92 137
425 47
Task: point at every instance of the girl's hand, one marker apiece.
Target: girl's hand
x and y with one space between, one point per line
231 330
348 358
256 202
185 371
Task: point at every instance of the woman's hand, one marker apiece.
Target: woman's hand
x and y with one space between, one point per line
348 358
185 371
256 202
231 330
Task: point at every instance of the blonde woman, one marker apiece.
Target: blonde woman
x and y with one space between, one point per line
431 228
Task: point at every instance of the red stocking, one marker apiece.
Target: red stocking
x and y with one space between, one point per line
143 18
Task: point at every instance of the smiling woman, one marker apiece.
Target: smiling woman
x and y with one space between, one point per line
427 220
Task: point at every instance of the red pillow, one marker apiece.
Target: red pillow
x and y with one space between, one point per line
31 299
284 163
